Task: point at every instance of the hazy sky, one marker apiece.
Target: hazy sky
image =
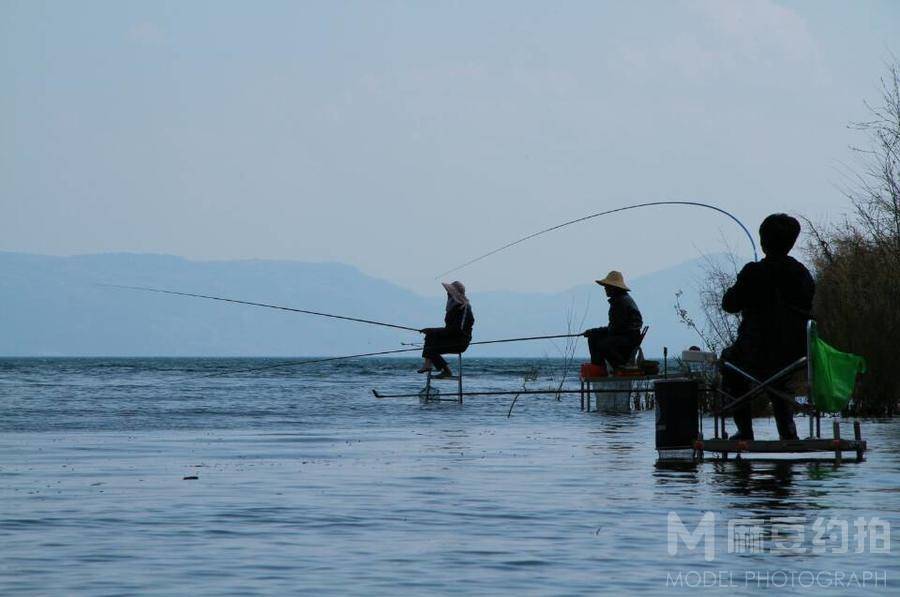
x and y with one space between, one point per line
405 137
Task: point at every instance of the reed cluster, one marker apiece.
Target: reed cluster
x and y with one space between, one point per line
857 262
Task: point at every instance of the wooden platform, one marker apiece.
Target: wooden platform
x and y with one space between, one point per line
783 446
833 447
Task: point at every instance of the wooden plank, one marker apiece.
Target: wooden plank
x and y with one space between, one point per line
781 446
509 392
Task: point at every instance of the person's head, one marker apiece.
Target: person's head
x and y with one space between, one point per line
778 233
456 292
613 284
612 291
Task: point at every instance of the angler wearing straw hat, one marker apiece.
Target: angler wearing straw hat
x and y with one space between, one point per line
615 342
456 334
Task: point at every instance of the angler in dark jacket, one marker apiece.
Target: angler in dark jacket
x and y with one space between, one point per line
615 342
774 297
456 334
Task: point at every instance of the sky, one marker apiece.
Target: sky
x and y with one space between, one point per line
406 137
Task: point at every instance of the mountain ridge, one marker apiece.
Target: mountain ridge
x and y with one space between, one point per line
54 306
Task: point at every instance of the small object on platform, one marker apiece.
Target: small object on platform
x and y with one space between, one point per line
649 367
698 356
590 370
628 371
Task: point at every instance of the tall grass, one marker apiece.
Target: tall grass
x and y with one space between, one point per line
857 261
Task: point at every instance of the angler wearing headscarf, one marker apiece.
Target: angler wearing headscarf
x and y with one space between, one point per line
774 297
615 343
456 334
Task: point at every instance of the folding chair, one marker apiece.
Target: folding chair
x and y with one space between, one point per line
831 379
632 367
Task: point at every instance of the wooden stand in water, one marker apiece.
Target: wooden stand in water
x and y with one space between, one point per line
679 431
427 395
836 445
620 393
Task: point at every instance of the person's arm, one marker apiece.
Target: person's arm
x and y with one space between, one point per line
592 331
618 315
735 298
634 316
469 321
459 319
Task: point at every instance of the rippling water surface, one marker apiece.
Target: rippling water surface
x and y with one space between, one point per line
306 482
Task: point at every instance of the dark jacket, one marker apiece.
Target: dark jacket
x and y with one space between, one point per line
624 318
454 336
460 319
774 297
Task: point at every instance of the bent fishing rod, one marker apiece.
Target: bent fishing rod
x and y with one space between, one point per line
267 306
605 213
379 353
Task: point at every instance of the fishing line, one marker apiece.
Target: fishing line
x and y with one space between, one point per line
240 302
328 359
375 354
604 213
312 362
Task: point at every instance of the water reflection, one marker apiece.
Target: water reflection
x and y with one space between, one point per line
753 485
452 440
761 485
615 435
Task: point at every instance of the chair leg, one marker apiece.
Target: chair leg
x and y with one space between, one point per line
459 362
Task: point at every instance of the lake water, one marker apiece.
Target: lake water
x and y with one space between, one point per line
306 482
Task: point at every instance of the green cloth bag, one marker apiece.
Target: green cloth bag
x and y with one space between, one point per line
833 374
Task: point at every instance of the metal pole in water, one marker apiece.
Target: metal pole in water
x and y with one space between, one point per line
459 356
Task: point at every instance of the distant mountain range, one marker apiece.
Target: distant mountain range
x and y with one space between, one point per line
54 306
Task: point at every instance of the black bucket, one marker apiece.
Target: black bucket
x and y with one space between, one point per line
676 413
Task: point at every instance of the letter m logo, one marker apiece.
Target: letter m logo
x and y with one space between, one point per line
705 531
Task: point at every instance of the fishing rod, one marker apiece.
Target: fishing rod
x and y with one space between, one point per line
604 213
509 339
253 304
375 354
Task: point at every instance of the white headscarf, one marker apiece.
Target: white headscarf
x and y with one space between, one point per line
456 294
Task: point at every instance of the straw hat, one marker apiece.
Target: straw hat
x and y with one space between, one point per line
614 279
457 291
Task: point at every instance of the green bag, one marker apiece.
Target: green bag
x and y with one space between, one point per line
833 374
